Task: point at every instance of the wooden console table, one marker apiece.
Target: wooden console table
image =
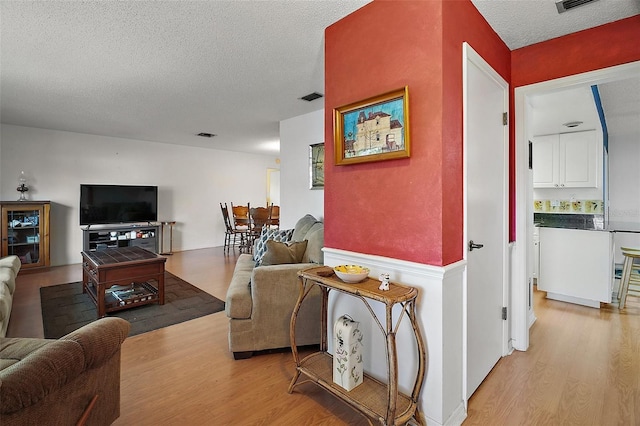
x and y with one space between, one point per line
376 400
123 266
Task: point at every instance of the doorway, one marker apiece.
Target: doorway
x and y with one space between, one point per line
522 285
273 187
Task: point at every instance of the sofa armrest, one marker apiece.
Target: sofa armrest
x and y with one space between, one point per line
53 364
12 262
238 304
100 339
277 285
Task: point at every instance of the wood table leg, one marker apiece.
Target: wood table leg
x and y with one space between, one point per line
161 289
100 295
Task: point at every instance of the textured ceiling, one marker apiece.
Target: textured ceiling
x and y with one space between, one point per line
520 23
164 71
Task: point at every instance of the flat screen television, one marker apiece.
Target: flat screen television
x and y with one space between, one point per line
103 204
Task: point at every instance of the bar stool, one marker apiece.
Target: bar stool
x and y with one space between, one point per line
630 280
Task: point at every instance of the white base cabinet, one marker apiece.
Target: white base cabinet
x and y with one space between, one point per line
576 265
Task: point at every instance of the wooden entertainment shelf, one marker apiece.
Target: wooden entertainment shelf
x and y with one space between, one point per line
378 401
109 236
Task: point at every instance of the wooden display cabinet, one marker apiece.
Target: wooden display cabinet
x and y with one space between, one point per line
25 232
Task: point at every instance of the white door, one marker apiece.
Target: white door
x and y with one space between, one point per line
486 218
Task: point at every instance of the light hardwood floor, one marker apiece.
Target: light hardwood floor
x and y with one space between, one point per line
582 368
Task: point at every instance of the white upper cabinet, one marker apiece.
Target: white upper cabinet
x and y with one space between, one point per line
578 154
546 161
566 160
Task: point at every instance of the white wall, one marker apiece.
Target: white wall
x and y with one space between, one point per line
191 181
296 134
624 180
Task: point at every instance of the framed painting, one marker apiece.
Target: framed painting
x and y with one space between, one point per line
374 129
316 166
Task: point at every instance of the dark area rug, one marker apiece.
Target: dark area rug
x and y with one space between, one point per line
66 308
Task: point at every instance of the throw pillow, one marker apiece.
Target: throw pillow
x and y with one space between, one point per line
267 234
280 253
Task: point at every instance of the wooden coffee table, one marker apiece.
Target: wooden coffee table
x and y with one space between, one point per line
125 267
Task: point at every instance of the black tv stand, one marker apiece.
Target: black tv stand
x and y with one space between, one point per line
115 236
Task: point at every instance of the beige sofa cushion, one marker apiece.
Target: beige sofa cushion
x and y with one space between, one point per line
6 299
8 279
9 267
12 262
302 227
315 238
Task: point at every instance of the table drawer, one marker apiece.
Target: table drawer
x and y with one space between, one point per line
90 268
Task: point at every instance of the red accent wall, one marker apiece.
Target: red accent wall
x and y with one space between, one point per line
596 48
409 209
601 47
462 23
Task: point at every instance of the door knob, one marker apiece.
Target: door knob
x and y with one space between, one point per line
473 245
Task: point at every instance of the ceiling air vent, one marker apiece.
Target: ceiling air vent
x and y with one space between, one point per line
311 97
205 135
565 5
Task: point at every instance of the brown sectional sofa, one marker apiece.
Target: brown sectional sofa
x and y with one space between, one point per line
54 382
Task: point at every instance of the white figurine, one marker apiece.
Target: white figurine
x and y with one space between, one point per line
384 286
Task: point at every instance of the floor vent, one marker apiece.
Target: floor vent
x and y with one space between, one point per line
565 5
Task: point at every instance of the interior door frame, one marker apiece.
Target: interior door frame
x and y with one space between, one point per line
469 55
522 317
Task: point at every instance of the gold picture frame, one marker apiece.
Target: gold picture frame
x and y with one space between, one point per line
316 166
374 129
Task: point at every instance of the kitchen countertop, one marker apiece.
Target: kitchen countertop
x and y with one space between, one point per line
624 227
592 222
588 222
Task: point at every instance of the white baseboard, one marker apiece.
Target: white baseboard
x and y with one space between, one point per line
571 299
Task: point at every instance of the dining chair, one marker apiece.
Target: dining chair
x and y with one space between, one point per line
274 216
259 218
240 216
231 233
241 223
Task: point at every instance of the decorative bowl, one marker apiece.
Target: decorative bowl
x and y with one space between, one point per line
351 273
